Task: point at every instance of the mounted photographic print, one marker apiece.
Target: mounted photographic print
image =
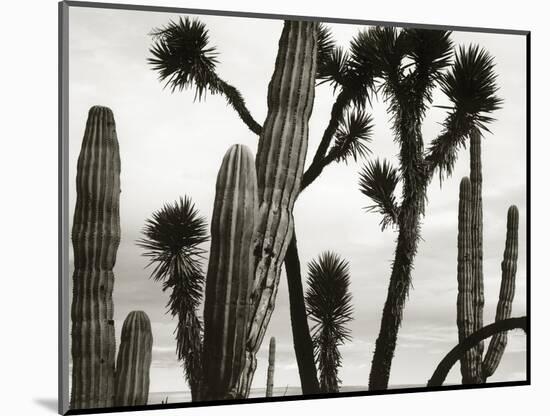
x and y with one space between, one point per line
264 208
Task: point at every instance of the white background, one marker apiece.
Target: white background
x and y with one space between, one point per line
29 205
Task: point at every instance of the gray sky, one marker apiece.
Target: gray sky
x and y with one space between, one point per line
171 146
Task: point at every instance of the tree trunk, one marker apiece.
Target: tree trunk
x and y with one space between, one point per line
303 346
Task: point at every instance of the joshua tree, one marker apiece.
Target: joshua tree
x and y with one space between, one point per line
412 63
184 59
328 301
172 240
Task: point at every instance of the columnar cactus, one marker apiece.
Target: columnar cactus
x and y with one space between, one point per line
270 368
468 304
230 274
506 296
279 165
464 303
477 239
134 361
95 236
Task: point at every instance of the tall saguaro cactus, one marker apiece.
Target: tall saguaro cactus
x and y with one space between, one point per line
465 298
95 236
477 239
468 303
230 274
270 368
134 360
279 165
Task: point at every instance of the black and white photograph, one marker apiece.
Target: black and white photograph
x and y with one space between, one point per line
263 208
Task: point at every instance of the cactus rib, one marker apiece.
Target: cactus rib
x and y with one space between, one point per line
95 237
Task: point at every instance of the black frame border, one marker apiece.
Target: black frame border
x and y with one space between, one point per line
63 229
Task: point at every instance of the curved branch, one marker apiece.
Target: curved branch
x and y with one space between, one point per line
454 355
235 99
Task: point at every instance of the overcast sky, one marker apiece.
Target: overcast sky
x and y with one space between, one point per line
171 146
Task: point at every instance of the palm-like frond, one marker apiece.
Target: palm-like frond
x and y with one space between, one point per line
328 302
183 57
333 68
172 242
472 89
471 85
430 51
377 181
325 47
352 137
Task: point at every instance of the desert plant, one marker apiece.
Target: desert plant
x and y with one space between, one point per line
134 360
493 330
285 132
95 237
328 301
172 240
230 274
184 59
270 368
408 87
474 368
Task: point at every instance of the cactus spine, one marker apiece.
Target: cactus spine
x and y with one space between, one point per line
465 307
477 243
134 361
506 296
230 274
270 368
95 237
280 164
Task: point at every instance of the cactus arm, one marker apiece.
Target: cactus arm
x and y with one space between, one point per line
279 165
134 361
477 239
506 296
230 274
464 303
270 368
470 342
95 237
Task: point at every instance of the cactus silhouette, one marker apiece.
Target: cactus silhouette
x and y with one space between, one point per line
95 237
230 274
270 368
134 360
468 303
279 166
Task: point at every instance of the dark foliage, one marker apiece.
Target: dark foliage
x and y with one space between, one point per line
377 181
172 242
328 302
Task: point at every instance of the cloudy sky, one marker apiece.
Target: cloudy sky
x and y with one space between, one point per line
171 146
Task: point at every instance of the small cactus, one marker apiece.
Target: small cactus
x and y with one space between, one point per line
506 296
95 237
270 368
230 274
134 361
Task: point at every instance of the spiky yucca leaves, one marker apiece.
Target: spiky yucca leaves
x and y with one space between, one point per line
328 301
183 57
172 242
411 62
377 181
472 89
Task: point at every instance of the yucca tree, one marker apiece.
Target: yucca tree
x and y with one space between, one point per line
172 240
414 63
328 300
184 59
